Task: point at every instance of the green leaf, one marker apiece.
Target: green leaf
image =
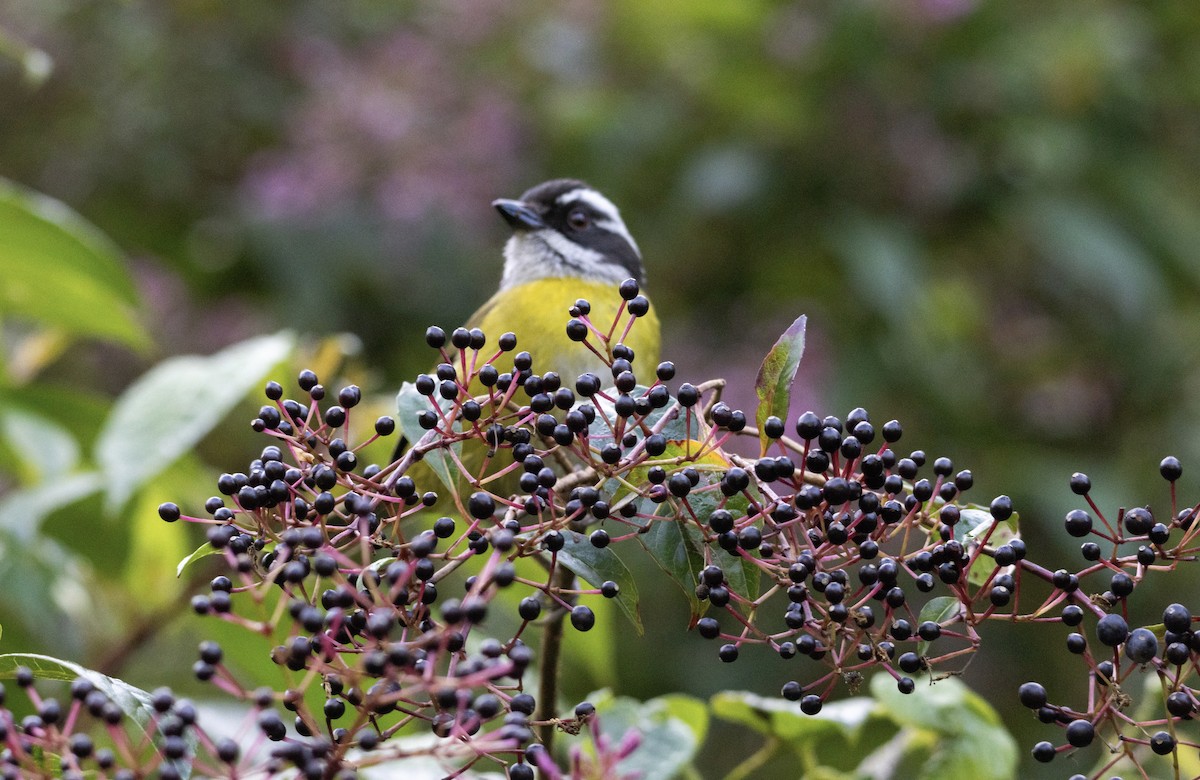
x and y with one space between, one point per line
61 271
174 405
971 738
976 520
775 377
50 590
941 610
975 524
676 556
742 576
79 411
670 730
45 447
782 719
203 551
132 701
155 544
690 710
677 546
596 565
46 586
680 427
409 405
22 511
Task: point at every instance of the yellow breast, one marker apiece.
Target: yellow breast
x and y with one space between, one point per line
537 313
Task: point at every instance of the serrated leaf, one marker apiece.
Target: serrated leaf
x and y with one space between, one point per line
595 565
131 700
173 406
940 610
678 548
776 375
61 271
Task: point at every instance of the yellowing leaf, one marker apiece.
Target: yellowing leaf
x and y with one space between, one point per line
778 372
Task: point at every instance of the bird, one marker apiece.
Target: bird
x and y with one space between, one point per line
568 243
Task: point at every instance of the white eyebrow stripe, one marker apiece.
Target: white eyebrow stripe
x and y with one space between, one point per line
593 199
612 217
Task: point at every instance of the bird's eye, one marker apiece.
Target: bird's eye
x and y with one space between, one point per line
578 219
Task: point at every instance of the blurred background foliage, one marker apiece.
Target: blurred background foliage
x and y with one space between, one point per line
990 212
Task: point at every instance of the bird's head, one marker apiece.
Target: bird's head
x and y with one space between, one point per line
564 228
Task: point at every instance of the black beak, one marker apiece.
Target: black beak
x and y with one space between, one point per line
518 215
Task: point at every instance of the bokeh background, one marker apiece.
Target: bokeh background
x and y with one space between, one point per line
989 211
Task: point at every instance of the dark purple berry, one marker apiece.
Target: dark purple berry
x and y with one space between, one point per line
1080 733
582 618
1112 630
1141 646
1162 743
1032 695
1177 618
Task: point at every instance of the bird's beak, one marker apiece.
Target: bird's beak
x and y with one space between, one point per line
518 215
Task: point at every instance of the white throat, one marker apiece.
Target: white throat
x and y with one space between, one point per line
547 254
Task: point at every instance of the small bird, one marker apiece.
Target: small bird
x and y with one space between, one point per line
568 242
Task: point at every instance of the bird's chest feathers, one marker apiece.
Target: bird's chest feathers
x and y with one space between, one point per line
537 312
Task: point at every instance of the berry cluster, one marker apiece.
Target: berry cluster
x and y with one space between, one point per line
1142 687
404 597
106 730
876 566
379 580
506 464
